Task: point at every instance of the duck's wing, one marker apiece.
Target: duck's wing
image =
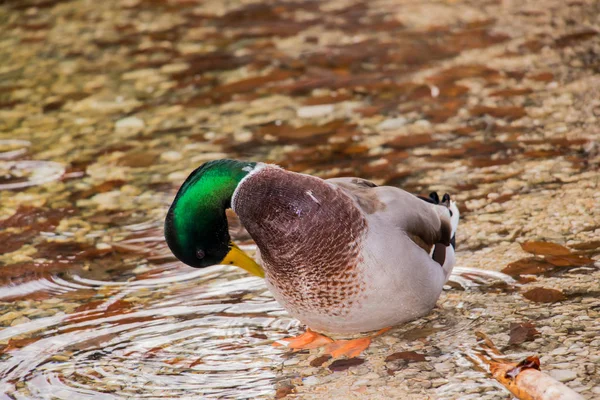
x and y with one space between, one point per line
431 226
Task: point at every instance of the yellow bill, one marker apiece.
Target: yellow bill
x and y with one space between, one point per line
237 257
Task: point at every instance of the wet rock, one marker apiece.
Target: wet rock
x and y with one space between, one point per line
392 124
19 321
129 124
10 316
317 111
563 375
560 351
171 156
310 381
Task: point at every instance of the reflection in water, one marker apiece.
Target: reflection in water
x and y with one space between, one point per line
13 148
22 174
188 333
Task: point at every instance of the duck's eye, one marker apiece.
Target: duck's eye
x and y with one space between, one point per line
200 254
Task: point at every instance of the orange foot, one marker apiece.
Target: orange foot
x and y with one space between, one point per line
308 340
348 348
339 348
351 348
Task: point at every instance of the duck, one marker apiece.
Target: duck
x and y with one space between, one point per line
343 255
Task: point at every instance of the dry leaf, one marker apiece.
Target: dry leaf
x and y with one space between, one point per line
573 38
174 361
543 295
510 113
342 365
197 362
523 332
524 380
409 141
593 245
151 353
317 362
409 356
138 159
14 344
569 260
284 389
527 266
545 248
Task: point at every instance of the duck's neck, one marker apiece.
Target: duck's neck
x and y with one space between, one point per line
299 220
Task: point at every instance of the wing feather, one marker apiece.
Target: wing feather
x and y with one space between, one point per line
426 224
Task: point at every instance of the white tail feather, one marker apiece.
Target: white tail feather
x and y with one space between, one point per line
455 217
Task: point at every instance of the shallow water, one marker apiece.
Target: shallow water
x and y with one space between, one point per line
105 107
178 333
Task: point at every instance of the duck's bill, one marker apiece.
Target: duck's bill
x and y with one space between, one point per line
237 257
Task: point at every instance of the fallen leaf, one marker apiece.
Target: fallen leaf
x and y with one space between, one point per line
510 113
543 295
342 365
409 356
524 380
527 266
593 245
198 361
174 361
465 71
410 141
138 159
511 92
545 248
104 187
284 390
14 344
523 332
93 342
569 260
576 37
542 77
317 362
329 99
526 279
153 352
259 336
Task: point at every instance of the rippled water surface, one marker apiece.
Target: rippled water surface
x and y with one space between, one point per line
176 332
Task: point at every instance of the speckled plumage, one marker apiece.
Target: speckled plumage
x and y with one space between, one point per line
344 255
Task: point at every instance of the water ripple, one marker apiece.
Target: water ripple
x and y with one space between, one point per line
189 334
13 148
23 174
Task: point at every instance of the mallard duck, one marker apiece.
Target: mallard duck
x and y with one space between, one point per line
342 255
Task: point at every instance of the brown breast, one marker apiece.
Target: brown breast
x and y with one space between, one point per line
309 234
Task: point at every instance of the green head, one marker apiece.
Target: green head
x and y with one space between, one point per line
196 225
